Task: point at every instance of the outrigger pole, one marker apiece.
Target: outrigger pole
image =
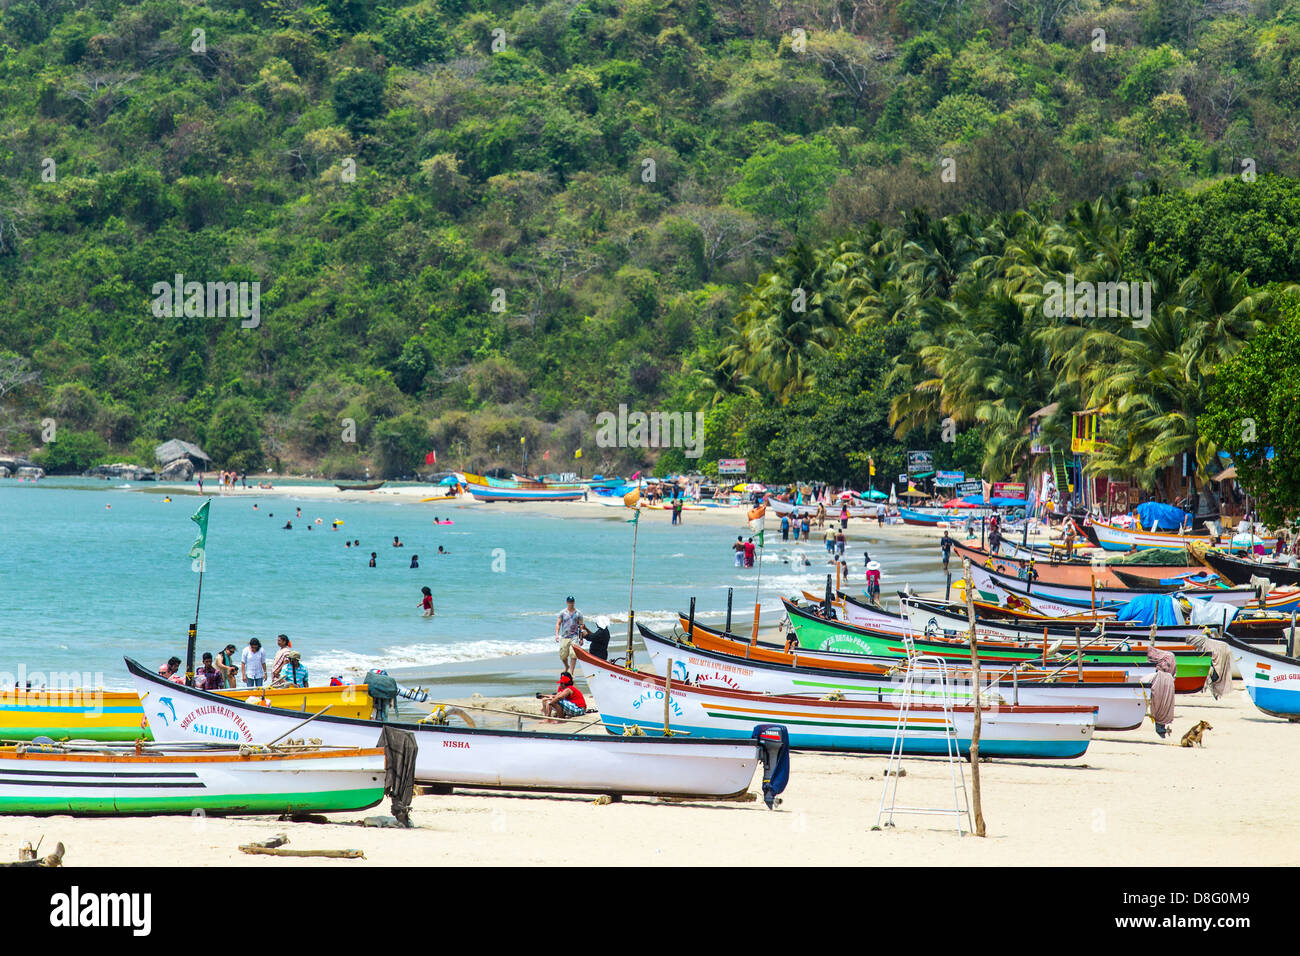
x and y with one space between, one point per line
199 552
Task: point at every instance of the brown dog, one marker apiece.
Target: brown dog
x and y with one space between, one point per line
1193 736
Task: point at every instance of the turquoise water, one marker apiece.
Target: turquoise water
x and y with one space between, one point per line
93 571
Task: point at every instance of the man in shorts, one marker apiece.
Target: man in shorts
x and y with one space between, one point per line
567 701
568 631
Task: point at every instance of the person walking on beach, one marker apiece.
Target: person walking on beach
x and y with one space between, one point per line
945 545
821 514
844 516
568 631
785 527
880 514
738 549
567 701
252 664
283 647
677 510
426 603
829 539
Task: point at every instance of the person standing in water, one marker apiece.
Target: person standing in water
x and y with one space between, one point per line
415 560
426 603
372 559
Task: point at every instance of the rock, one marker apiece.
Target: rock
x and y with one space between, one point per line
384 821
14 463
30 471
122 470
4 471
182 469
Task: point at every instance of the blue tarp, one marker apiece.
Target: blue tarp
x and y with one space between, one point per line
995 502
1167 517
1146 608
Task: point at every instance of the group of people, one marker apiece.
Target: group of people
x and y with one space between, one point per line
744 551
227 671
226 481
570 632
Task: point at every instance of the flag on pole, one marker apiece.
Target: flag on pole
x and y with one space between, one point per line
546 455
760 537
431 458
633 519
200 518
578 453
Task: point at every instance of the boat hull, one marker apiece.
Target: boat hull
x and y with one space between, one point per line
1272 681
473 758
116 716
631 700
94 784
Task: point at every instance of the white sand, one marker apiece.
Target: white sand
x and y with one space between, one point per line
1132 800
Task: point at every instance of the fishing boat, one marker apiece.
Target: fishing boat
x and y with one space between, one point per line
470 757
1079 597
1272 681
1114 538
631 700
372 486
496 490
1241 570
116 715
1054 568
780 508
855 662
58 779
819 633
1119 706
934 618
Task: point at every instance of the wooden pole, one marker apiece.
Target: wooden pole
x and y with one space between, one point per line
1290 644
668 694
1078 650
1092 583
729 597
631 587
975 730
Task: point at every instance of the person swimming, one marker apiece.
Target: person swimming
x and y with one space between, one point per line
440 551
397 542
347 544
415 560
288 526
372 559
426 603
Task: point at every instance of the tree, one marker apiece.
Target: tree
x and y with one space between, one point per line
787 183
358 98
400 445
1250 408
72 453
234 435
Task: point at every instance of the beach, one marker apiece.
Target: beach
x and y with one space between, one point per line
1133 799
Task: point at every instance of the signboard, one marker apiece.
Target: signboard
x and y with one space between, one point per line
920 464
1009 489
949 478
731 466
965 488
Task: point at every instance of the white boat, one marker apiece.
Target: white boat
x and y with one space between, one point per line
97 779
1114 538
1272 681
832 510
631 699
467 757
1119 706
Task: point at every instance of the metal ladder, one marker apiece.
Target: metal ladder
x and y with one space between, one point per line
889 796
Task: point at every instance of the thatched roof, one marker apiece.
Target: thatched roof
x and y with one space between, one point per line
169 451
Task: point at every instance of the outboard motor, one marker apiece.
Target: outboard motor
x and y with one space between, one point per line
774 745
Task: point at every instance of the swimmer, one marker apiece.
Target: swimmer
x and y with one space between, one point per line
288 526
415 560
167 500
347 544
372 559
440 551
426 603
397 542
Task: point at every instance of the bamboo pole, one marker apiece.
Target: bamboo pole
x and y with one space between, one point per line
668 695
975 730
1078 650
631 587
1290 644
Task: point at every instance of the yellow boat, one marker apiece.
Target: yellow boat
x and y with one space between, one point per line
116 715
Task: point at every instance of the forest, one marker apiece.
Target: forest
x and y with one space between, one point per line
833 227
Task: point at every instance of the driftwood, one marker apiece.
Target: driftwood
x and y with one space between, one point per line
27 857
273 851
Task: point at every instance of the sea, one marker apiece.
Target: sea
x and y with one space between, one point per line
93 571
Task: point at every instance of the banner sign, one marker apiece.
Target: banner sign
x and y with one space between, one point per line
947 478
1009 489
965 488
731 466
920 464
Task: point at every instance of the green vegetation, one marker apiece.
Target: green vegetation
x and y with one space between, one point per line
478 222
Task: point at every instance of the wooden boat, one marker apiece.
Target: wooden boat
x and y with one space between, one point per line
1241 570
780 508
855 662
1271 680
1077 597
469 757
116 715
1120 706
933 517
933 618
818 633
629 699
1054 568
483 490
50 779
372 486
1114 538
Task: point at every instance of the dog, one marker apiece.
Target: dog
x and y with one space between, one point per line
1193 736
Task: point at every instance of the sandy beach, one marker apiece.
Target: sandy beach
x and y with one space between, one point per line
1132 800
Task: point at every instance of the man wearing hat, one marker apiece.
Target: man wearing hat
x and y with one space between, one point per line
568 631
293 674
873 582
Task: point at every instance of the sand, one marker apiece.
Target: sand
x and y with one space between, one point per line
1133 799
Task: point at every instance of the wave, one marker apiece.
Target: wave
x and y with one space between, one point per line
351 664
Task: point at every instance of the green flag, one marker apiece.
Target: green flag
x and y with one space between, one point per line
760 538
200 546
633 519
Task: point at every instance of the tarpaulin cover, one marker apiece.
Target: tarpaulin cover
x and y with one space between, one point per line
1148 608
1167 517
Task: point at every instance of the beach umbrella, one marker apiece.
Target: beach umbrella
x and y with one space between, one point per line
875 495
849 494
893 495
